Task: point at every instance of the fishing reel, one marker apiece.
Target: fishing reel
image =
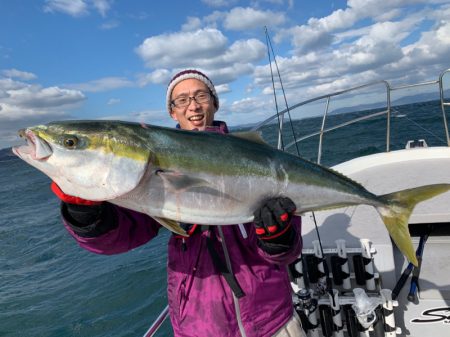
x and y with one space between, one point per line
305 302
306 306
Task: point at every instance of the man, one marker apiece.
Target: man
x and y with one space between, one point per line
222 280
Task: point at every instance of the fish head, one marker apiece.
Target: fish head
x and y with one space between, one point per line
94 160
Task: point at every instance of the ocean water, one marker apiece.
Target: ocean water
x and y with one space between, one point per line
49 287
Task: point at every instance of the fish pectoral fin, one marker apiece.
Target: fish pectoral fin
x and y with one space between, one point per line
179 181
172 225
254 136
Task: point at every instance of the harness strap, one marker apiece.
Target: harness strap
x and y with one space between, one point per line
222 268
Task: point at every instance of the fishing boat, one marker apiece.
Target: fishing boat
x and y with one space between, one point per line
351 280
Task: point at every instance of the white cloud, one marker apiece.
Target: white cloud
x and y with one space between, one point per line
154 117
425 51
21 75
37 97
230 73
110 25
102 84
23 104
249 105
249 18
241 51
319 33
181 49
10 113
213 20
20 99
5 52
374 49
219 3
222 88
14 118
237 19
75 8
192 24
293 70
10 84
102 6
327 56
206 49
113 101
159 76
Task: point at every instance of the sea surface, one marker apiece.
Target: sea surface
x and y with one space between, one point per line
50 287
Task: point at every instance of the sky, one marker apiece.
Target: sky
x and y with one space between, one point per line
113 59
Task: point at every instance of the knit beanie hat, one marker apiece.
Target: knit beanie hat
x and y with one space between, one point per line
186 74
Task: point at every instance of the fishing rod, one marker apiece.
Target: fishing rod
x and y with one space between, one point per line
270 48
280 120
280 125
411 268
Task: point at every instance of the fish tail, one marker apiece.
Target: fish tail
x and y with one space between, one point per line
397 209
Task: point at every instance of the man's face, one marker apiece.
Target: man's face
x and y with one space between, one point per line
195 115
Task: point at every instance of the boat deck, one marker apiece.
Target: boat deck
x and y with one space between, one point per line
384 173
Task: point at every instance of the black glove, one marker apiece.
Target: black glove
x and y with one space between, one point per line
273 224
90 221
84 215
80 212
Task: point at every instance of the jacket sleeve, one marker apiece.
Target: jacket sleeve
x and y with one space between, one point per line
117 230
292 252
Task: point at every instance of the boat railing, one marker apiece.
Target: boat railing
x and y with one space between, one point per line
387 110
157 323
444 104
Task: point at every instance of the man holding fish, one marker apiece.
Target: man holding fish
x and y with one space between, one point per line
222 280
226 280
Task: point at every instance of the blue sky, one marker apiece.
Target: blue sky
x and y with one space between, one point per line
105 59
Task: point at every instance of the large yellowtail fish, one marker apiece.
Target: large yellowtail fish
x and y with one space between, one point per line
199 177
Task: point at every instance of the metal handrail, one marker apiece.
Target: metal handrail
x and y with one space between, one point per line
328 98
387 111
443 103
295 106
325 130
158 322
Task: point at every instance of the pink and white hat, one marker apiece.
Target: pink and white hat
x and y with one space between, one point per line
186 74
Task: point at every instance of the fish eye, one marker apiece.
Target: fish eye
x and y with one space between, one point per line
70 142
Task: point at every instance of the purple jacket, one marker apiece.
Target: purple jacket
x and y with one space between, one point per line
200 301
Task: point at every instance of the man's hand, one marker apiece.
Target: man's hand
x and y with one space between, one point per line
273 219
80 212
69 199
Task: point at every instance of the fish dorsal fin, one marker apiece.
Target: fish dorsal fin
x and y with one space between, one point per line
340 174
254 136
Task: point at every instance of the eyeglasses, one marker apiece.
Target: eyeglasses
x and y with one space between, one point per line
184 101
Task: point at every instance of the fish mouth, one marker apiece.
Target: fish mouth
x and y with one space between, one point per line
35 148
